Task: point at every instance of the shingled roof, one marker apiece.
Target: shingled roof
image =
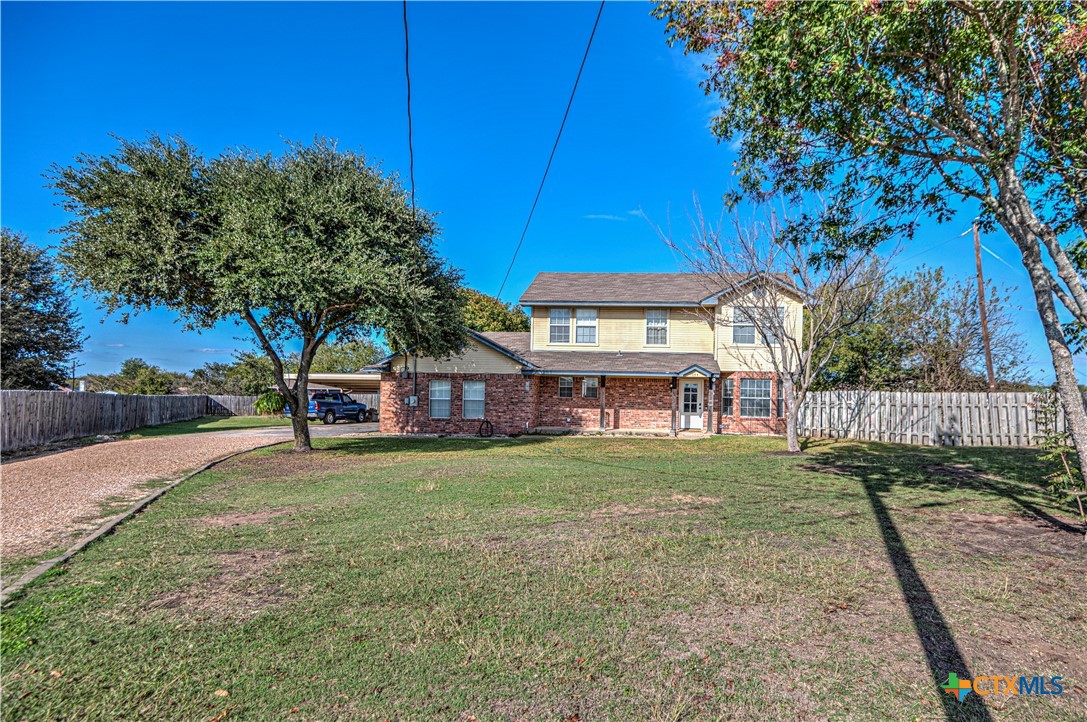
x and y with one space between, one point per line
633 289
626 288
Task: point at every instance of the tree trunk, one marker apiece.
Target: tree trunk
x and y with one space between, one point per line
300 422
300 413
298 397
792 416
1014 214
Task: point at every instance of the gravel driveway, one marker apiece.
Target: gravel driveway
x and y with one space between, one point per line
47 500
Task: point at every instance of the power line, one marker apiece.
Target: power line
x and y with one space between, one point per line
555 147
407 77
935 246
411 177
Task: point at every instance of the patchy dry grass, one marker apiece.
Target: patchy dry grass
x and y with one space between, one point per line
566 579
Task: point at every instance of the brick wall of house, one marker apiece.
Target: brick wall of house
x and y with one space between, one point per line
513 400
736 424
508 404
629 403
552 412
640 403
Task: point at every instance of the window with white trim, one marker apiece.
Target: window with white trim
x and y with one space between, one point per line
656 327
560 325
475 394
439 399
726 397
590 387
585 325
755 398
566 387
744 330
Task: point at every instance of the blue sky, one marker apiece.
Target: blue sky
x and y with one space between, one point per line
489 85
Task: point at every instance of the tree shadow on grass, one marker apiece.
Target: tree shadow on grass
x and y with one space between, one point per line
879 469
882 469
1008 474
942 653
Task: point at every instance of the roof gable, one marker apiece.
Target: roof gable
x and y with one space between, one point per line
481 339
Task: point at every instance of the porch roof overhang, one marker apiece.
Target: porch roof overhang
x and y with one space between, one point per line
615 374
634 364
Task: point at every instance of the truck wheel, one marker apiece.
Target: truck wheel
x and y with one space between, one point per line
329 417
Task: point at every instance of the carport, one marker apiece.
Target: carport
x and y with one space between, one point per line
364 387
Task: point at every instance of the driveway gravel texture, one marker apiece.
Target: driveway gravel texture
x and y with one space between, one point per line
47 501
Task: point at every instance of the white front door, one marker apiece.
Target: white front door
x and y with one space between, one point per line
690 405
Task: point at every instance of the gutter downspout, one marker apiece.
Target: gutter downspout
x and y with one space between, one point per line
603 384
710 415
675 429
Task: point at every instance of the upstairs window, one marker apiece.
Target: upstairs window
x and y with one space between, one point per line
586 325
439 399
656 327
560 325
474 399
744 330
566 387
755 398
590 388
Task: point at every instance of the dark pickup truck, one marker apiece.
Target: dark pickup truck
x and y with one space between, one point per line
331 406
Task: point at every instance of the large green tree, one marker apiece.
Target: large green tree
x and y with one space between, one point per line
310 245
249 374
139 377
39 330
343 357
487 313
928 337
911 107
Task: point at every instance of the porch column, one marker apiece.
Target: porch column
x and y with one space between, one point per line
602 385
675 430
713 391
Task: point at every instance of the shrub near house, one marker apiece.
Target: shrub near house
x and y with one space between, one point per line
665 352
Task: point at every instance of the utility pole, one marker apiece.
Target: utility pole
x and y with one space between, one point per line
981 312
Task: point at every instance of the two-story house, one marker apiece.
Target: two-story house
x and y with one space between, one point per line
653 352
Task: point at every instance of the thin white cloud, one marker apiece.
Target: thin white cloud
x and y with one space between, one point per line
214 350
115 345
605 217
637 213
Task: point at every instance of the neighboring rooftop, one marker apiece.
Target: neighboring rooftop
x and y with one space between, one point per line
622 288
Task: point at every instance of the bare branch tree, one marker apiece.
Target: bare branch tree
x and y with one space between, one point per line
796 287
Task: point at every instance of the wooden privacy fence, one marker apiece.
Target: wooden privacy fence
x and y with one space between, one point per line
231 406
33 418
369 399
932 419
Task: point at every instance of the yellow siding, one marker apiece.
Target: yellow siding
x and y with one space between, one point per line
744 357
476 359
623 329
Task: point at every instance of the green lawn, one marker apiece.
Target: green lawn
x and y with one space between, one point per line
208 423
567 579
